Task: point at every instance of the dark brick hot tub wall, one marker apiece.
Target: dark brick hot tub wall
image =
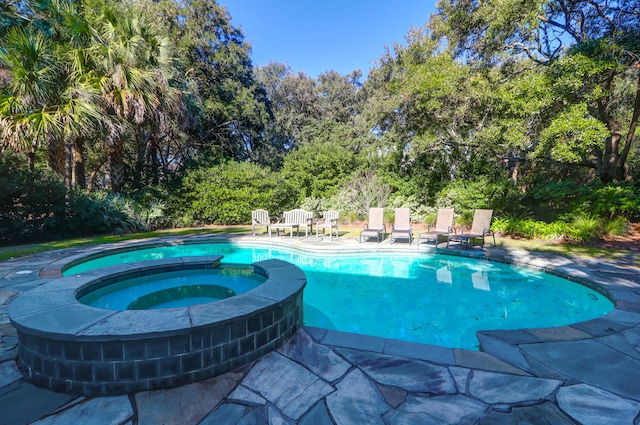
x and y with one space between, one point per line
71 347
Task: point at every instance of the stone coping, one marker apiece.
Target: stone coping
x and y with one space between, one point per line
54 310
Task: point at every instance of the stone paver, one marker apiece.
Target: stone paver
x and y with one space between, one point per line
186 404
23 403
590 405
587 373
9 373
546 413
105 410
493 388
318 358
357 401
289 386
437 410
593 363
410 375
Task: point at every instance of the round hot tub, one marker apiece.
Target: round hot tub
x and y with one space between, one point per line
65 345
170 288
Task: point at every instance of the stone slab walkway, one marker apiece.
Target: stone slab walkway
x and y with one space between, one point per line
588 373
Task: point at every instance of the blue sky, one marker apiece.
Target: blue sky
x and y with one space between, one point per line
316 36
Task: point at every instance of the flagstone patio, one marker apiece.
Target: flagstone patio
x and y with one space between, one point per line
587 373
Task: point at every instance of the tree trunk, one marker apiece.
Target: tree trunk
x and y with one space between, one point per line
68 165
79 177
32 159
613 164
116 167
94 173
56 156
152 156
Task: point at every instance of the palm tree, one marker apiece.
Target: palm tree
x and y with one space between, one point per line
132 62
43 102
27 103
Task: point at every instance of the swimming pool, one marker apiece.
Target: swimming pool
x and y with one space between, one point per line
425 298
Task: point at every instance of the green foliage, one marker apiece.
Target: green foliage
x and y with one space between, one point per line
466 196
572 136
127 214
579 227
364 190
36 206
418 209
549 200
318 169
584 227
228 192
616 226
622 200
530 228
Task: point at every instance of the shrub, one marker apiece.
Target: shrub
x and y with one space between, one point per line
567 198
36 206
530 229
363 191
126 214
466 196
556 198
622 200
228 192
584 227
617 226
418 209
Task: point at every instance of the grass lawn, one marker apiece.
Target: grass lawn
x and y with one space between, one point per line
8 252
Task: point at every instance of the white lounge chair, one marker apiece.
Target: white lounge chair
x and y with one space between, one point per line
443 227
401 225
375 226
480 228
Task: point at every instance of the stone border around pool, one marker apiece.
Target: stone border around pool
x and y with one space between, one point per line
606 279
71 347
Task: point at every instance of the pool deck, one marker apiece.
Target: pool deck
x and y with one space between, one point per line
586 373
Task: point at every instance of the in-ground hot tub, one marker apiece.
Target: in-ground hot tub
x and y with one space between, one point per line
68 346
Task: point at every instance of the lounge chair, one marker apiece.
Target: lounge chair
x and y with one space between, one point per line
443 227
401 225
329 221
479 229
375 226
294 219
260 218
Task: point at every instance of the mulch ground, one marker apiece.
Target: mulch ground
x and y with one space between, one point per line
630 241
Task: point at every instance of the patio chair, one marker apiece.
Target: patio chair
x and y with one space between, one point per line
480 228
260 218
329 221
443 227
375 226
401 227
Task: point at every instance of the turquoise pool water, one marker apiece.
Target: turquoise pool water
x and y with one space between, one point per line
174 289
431 299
